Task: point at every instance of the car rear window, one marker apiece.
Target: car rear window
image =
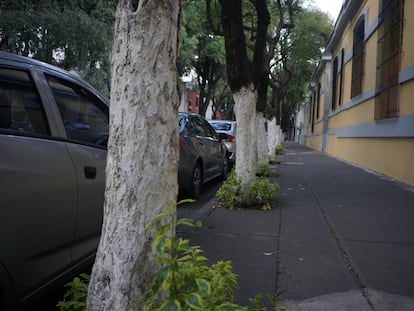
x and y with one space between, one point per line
221 126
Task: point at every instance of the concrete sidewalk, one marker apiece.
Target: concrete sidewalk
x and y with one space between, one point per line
342 238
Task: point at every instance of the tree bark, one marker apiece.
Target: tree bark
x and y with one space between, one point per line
141 173
246 151
272 137
262 152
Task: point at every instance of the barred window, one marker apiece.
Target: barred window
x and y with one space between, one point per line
389 56
334 83
358 58
341 77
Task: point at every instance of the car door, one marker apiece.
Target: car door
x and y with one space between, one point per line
86 122
38 191
208 147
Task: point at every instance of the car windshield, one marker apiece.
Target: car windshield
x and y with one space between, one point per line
221 126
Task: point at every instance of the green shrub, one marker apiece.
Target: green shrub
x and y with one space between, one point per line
230 190
260 192
76 296
185 281
279 148
262 169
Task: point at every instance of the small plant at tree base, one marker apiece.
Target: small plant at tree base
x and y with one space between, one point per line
260 192
279 148
185 281
76 296
262 169
230 190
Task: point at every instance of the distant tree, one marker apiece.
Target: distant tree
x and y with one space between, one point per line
202 48
296 59
74 35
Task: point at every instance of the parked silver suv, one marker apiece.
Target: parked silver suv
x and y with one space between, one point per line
53 135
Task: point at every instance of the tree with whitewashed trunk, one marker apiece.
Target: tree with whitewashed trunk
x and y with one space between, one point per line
262 141
141 173
243 76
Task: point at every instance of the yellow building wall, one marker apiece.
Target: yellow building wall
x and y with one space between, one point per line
388 156
407 57
313 142
407 98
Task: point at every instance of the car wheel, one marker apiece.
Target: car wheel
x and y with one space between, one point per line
225 172
196 181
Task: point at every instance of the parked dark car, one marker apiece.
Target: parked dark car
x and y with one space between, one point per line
53 135
203 155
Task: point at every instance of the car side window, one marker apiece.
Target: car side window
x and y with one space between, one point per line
85 117
196 127
211 133
20 107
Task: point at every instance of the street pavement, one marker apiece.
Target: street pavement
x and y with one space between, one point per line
340 238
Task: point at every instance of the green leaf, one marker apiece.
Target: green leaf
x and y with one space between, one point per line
161 279
186 201
195 301
170 305
189 222
204 287
156 219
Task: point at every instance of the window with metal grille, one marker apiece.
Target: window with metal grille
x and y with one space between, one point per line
341 77
358 58
318 105
334 83
388 59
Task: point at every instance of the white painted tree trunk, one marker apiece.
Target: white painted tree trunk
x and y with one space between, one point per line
142 157
272 137
246 151
262 156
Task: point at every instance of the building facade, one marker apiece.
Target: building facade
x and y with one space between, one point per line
360 104
190 97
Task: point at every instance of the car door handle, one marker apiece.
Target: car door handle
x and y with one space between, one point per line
90 172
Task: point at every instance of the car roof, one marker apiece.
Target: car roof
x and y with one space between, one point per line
28 62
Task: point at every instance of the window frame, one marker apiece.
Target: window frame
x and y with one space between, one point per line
389 50
358 58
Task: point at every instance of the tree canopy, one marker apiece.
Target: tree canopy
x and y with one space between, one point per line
75 35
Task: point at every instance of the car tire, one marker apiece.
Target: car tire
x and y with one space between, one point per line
196 181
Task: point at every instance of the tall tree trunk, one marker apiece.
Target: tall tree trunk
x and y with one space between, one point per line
142 152
262 152
243 76
246 151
